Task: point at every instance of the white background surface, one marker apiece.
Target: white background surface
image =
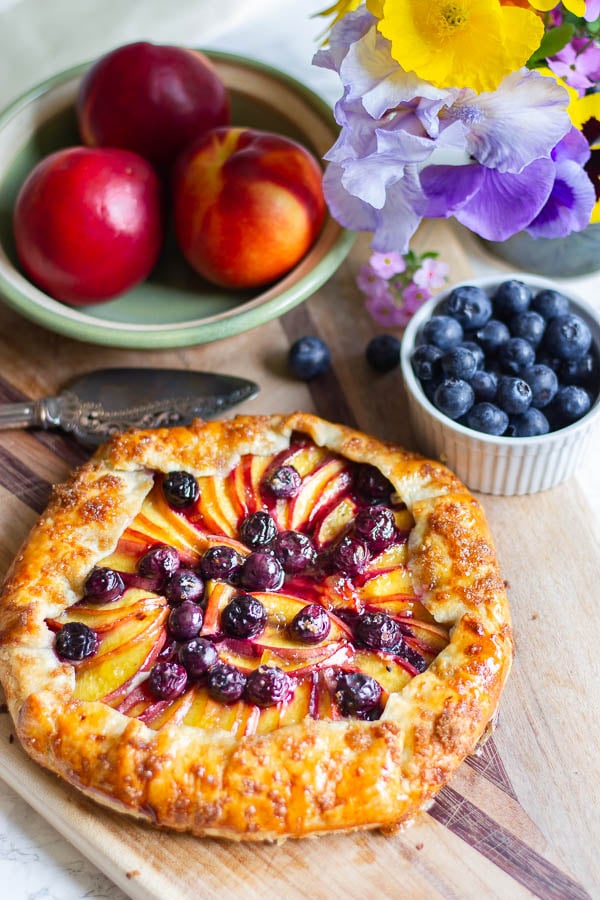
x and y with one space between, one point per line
37 39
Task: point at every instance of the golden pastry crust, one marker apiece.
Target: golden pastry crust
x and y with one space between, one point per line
311 777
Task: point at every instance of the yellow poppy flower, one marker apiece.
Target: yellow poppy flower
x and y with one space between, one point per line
577 7
339 10
460 43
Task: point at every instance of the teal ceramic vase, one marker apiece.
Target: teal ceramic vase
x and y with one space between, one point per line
576 254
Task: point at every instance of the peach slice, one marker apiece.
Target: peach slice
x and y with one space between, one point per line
387 584
133 604
385 668
336 522
319 490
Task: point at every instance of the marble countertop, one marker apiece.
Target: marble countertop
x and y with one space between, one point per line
35 860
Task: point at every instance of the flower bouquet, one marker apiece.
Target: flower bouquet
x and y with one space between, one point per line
484 110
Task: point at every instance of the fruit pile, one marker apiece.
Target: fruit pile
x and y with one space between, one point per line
89 221
516 363
252 600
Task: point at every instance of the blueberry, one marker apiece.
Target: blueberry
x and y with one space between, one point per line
517 354
197 656
484 384
454 397
183 585
357 694
377 631
160 561
244 617
350 556
487 418
571 403
442 331
582 371
311 625
376 526
185 621
258 529
75 641
103 585
510 298
477 352
459 362
550 303
469 305
267 686
167 680
284 482
513 395
383 352
528 325
371 484
294 550
567 337
225 683
543 383
493 335
180 489
262 572
221 563
425 361
309 356
529 424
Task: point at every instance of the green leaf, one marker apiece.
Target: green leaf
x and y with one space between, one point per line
552 43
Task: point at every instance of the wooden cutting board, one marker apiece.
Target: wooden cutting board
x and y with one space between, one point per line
517 820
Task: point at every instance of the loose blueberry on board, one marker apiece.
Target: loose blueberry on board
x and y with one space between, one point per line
513 395
267 686
443 332
459 362
75 641
350 556
221 563
225 683
383 352
528 325
184 585
262 572
357 694
103 585
510 298
311 625
258 529
549 303
492 336
294 550
485 385
487 418
377 631
180 489
531 423
454 397
568 337
308 357
244 617
571 403
515 355
197 656
167 680
376 526
469 305
543 383
185 621
159 561
284 483
426 361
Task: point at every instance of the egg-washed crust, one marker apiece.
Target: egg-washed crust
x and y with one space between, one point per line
311 777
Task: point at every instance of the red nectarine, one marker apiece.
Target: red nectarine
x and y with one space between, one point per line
88 223
247 205
152 99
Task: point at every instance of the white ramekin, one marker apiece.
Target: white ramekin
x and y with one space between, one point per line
498 465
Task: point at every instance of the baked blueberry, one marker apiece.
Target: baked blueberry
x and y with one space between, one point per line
350 556
513 395
376 526
294 550
454 397
469 305
267 686
167 680
103 585
510 298
284 482
197 656
371 484
262 572
487 418
311 625
484 384
425 361
244 617
75 641
543 383
377 631
531 423
549 303
493 335
221 563
159 561
443 332
571 403
567 337
357 694
459 362
185 621
180 489
515 355
225 683
528 325
183 585
383 352
258 529
309 356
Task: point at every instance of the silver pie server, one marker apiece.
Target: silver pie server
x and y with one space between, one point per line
101 403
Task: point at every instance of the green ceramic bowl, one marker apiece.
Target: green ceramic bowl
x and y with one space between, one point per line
174 307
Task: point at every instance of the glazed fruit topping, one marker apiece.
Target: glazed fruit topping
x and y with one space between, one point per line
225 683
262 572
221 563
185 584
159 561
378 631
185 621
267 686
294 550
103 585
76 641
258 529
180 489
244 616
167 680
357 694
372 485
376 527
198 656
284 482
311 625
350 556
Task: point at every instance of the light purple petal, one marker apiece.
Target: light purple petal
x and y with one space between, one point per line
506 202
519 122
592 10
344 33
348 210
569 206
573 147
400 217
447 188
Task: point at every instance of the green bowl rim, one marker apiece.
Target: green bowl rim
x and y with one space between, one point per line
224 325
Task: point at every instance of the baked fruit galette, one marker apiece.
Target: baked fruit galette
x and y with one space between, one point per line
260 628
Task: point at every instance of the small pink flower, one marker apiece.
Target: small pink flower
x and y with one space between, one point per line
414 297
592 10
370 283
387 264
431 274
387 312
578 64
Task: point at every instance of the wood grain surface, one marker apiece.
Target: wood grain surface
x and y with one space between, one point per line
519 819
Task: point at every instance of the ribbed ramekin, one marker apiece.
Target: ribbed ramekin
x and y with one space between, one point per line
498 465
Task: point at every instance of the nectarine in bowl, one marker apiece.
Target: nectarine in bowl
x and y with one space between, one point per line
175 306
